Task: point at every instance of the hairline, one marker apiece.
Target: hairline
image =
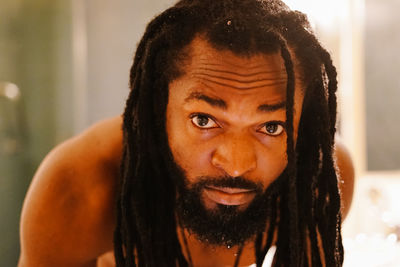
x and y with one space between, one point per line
186 55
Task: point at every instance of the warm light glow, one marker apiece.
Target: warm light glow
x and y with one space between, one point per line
9 90
324 13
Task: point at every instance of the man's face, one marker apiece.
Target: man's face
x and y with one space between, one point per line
226 128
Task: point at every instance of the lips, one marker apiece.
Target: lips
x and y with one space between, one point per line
229 196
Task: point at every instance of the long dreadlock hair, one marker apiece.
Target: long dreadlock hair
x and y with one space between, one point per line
306 217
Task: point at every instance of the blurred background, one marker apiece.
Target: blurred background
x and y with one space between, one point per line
64 65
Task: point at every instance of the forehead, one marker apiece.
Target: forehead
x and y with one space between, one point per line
223 74
222 67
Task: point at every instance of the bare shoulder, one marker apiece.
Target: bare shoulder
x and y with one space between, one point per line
345 170
68 213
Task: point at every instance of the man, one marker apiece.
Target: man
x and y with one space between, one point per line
227 151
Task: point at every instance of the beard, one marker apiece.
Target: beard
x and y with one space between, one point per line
224 225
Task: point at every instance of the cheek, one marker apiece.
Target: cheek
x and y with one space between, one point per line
190 154
194 159
272 164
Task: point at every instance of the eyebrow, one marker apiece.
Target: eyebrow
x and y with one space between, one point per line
272 107
215 102
219 103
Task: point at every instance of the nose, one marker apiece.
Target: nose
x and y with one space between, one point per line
235 155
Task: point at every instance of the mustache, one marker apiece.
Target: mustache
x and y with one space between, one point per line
238 182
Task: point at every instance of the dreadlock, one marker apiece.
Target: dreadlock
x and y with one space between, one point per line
306 215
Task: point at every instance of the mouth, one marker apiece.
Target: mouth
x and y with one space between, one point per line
229 196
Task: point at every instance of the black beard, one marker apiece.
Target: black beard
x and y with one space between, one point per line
224 225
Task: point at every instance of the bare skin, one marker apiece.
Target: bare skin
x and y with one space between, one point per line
68 215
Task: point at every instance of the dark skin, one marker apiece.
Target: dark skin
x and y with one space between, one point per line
68 216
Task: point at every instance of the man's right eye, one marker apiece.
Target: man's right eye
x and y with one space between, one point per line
203 121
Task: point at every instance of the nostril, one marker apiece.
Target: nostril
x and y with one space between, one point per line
217 160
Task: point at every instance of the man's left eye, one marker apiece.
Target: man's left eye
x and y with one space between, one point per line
203 121
272 128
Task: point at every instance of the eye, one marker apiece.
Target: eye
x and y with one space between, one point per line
273 128
203 121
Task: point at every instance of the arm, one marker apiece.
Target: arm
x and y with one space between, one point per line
68 213
345 170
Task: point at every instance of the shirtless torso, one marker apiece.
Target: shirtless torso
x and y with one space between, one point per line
68 214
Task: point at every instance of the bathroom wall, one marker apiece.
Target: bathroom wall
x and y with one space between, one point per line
382 84
38 56
30 33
